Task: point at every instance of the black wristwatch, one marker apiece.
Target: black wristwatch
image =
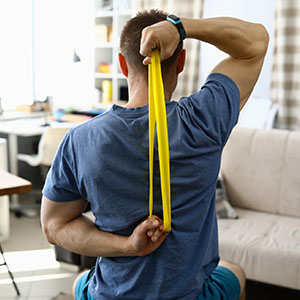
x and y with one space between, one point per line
177 22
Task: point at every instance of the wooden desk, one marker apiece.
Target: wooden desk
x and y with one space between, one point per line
25 128
12 184
70 118
9 184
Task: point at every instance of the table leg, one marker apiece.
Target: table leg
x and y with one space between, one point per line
4 200
12 153
4 218
13 164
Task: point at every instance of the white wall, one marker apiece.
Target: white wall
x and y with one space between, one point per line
257 11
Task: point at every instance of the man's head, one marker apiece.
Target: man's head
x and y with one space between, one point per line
131 38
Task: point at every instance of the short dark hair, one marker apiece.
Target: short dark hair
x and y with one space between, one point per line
131 37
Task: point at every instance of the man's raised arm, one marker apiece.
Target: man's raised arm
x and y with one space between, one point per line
246 44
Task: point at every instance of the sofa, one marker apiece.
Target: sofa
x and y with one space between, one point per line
261 172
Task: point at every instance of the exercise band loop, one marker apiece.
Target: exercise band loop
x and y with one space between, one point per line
158 117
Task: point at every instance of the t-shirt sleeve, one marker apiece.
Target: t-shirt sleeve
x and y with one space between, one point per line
60 184
215 108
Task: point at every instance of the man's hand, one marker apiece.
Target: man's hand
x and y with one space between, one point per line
64 225
164 36
146 237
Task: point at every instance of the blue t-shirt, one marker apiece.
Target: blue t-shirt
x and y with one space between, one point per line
105 161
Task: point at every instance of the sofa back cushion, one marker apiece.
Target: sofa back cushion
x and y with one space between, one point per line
261 170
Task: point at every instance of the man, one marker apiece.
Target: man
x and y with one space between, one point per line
105 162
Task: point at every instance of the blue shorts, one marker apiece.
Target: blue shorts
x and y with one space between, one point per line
222 284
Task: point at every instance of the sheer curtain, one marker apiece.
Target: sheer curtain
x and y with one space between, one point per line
285 84
188 81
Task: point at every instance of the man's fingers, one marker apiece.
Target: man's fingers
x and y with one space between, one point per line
150 233
159 236
155 235
153 227
147 60
146 48
147 42
149 225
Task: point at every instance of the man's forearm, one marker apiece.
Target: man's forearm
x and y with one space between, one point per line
239 39
64 225
82 236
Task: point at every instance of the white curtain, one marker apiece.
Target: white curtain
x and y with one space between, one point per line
188 81
285 83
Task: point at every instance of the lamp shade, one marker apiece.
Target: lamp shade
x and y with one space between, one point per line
76 58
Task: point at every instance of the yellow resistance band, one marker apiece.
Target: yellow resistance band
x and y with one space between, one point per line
158 115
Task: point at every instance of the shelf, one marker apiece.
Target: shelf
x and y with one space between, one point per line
120 76
104 45
103 75
109 75
107 52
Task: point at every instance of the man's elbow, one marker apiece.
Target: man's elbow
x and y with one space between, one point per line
263 39
48 231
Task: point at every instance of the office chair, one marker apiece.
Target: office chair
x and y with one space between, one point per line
47 147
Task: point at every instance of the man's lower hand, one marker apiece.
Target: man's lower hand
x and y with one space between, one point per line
146 237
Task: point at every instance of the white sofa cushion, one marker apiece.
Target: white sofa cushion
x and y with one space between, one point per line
261 170
266 245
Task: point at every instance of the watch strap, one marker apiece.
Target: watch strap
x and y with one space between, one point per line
177 22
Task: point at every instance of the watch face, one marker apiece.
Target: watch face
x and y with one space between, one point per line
173 17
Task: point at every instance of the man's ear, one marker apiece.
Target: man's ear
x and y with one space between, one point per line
180 61
123 65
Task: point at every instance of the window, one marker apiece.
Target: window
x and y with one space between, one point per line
37 49
15 52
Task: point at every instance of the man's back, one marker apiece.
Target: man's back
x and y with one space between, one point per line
111 170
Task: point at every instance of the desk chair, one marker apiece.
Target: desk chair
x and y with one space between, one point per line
47 147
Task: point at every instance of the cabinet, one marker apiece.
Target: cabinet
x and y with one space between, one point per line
110 17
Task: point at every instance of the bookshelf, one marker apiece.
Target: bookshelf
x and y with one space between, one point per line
110 17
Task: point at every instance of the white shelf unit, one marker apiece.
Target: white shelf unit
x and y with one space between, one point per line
107 51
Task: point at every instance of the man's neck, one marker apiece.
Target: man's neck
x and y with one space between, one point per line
138 92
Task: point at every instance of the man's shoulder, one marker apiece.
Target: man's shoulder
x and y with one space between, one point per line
222 78
93 123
